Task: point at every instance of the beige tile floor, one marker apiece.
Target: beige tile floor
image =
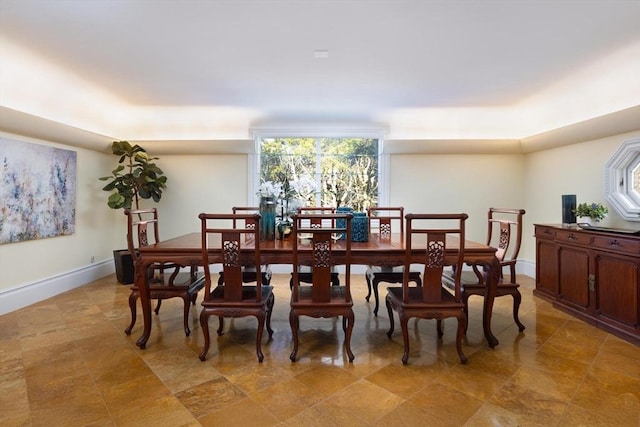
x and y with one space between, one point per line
66 362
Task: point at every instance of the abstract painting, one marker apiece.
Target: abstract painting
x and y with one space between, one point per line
37 191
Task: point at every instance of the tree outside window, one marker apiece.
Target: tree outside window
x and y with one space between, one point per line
323 171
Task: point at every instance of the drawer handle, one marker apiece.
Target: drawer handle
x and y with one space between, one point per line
547 231
615 243
571 237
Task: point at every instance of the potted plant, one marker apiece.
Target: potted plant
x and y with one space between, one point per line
593 211
136 177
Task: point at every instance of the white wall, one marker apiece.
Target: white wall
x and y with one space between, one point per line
573 169
196 184
444 183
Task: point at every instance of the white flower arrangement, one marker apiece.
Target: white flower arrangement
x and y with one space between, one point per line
304 187
269 189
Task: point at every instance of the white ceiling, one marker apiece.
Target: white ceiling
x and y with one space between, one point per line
383 56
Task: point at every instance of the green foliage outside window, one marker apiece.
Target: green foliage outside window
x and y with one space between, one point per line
345 170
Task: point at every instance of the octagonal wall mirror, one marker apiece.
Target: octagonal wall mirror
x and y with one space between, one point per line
622 180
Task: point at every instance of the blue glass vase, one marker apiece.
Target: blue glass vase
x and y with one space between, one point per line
267 218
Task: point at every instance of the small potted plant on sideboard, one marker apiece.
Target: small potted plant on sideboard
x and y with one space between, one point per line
591 212
136 177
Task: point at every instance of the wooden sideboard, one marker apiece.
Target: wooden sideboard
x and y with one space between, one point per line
592 275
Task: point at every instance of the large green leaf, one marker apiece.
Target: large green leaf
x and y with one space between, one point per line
141 178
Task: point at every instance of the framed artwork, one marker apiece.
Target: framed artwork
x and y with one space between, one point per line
37 191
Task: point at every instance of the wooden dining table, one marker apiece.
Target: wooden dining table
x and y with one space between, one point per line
186 251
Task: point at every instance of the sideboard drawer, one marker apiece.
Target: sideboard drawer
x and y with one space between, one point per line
570 236
617 244
545 232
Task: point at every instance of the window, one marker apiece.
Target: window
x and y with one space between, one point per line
622 180
321 171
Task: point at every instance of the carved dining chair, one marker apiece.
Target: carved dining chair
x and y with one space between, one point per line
316 247
166 280
432 240
222 243
504 232
383 221
249 270
304 273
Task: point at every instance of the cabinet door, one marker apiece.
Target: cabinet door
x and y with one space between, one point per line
573 276
617 288
547 267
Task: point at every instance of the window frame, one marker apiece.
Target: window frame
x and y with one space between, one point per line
618 182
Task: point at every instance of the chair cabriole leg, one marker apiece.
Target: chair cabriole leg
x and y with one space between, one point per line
204 325
270 303
133 298
185 320
260 318
517 298
404 320
293 321
347 339
462 326
391 321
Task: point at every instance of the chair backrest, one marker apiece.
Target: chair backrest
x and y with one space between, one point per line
435 241
504 232
386 220
250 222
319 252
222 243
316 213
142 229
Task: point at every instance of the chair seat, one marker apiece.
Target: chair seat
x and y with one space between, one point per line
338 297
248 297
415 297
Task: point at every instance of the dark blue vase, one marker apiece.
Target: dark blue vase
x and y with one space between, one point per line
359 227
359 224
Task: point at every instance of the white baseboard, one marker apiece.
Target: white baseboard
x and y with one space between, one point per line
16 298
527 268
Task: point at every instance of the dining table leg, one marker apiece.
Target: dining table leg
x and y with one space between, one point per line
145 301
490 294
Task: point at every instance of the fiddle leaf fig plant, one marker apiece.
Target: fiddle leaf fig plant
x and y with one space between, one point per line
136 177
